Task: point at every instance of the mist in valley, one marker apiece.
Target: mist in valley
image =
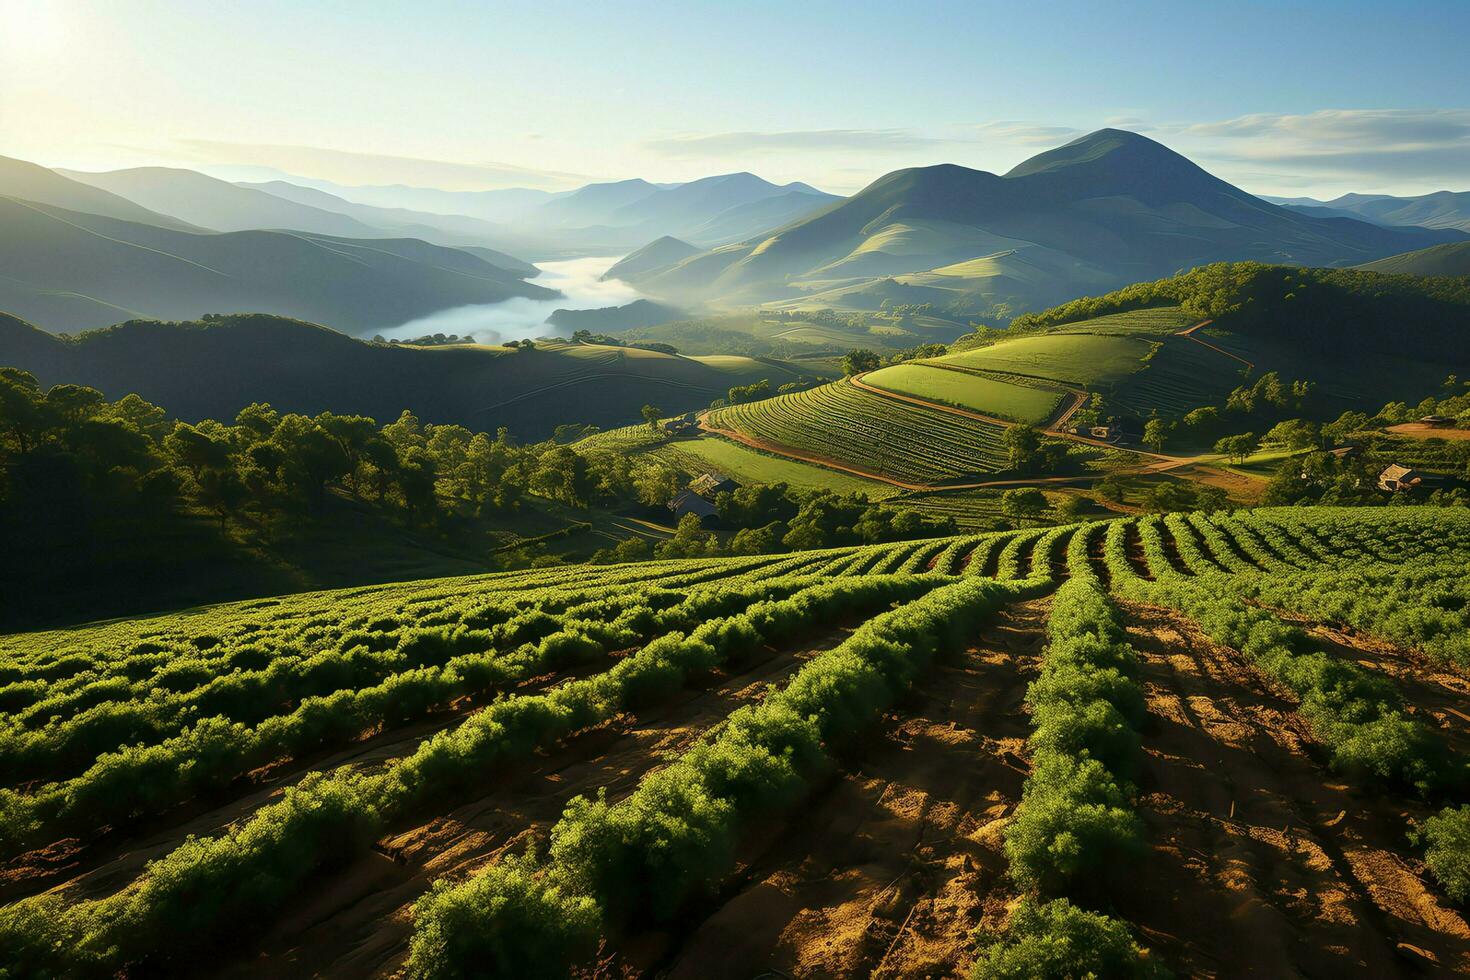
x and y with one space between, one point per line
578 280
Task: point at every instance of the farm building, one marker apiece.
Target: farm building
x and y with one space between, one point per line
711 483
1437 421
692 503
1397 477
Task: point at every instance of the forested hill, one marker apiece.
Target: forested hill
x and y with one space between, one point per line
1333 312
214 367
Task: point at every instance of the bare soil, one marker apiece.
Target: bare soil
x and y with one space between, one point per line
1262 863
887 870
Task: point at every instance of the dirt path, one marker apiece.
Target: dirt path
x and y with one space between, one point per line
1262 863
357 923
1189 332
886 872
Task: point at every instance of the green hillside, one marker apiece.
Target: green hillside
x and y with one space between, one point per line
1109 208
658 254
1449 259
73 271
214 368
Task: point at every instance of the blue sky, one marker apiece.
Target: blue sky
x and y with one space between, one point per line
1285 97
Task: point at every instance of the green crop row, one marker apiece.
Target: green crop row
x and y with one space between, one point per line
844 423
1075 832
644 858
236 881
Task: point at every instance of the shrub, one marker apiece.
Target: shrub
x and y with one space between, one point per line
1058 941
504 922
1446 842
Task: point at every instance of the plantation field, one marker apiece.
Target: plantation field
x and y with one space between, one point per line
914 759
746 465
988 396
868 432
1161 321
1073 358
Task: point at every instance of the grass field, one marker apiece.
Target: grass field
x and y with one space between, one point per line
839 422
746 465
1075 358
1156 322
631 764
978 394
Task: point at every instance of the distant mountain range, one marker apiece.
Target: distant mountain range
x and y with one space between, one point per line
74 271
1442 209
1105 210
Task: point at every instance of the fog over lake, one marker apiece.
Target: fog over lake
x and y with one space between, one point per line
514 319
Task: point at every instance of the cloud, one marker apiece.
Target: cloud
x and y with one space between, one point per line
347 167
1027 133
1427 147
819 140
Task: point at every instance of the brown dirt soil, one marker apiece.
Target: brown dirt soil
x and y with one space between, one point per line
357 923
1263 864
887 870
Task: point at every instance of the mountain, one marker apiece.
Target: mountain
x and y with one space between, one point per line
217 204
455 230
1118 206
744 220
496 206
31 182
74 271
653 257
708 211
595 204
1450 259
215 368
1442 209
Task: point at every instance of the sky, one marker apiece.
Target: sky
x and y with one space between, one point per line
1287 97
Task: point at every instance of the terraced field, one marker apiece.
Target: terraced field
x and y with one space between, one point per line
833 763
978 393
870 433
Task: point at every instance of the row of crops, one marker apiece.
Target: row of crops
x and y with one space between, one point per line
114 728
840 422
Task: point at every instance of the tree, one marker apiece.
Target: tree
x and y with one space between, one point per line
1292 434
1023 504
858 360
1156 432
1022 444
651 415
1070 507
655 484
690 540
1237 447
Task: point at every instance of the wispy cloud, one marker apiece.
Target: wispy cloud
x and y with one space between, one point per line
1026 133
1362 147
818 140
347 167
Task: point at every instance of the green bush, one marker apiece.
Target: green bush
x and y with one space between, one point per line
1446 842
1058 941
504 922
